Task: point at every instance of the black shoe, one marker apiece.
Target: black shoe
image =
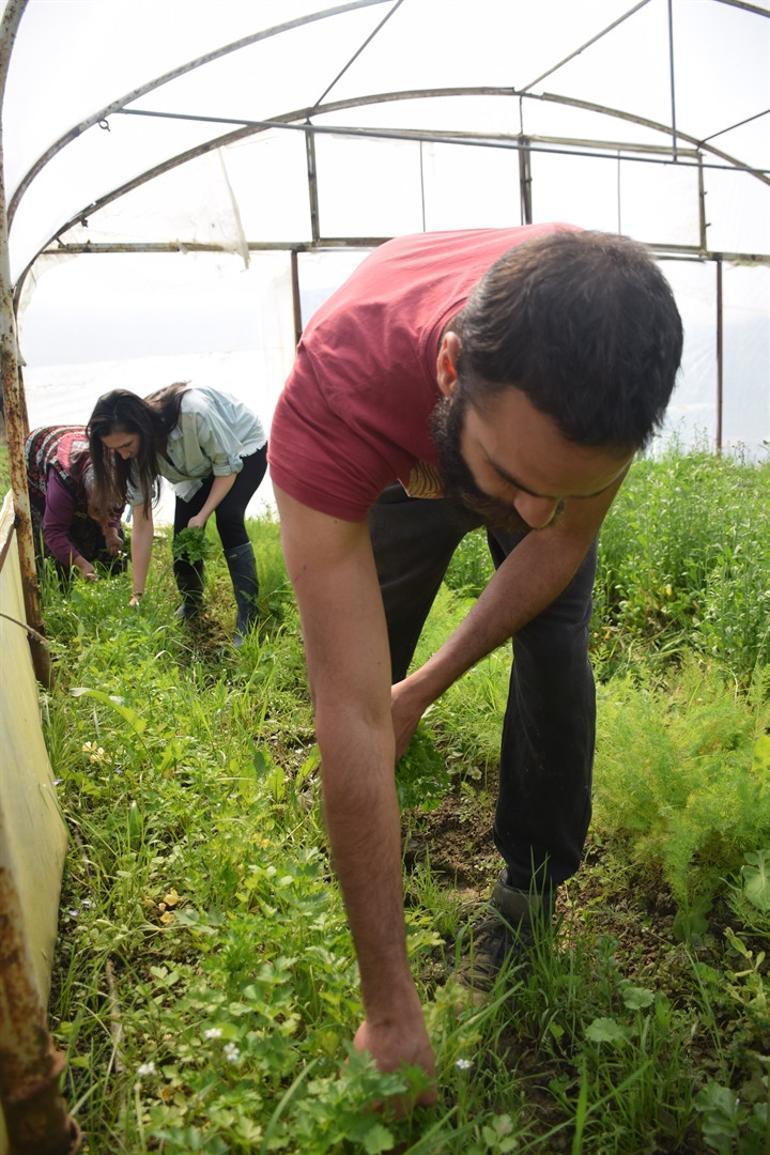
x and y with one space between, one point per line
503 936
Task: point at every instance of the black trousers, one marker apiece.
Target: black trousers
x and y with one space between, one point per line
544 799
230 514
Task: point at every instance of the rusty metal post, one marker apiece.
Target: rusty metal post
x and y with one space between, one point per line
14 406
36 1117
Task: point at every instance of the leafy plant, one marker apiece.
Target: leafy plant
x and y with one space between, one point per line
684 556
191 544
729 1126
688 799
756 879
205 985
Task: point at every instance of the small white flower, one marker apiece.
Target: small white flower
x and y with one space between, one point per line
231 1052
463 1064
73 913
146 1069
213 1033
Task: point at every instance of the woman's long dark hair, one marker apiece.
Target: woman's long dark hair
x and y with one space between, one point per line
152 418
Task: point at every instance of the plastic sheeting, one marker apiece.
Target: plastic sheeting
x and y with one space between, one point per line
619 108
32 846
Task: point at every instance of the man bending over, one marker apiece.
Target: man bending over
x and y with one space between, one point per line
502 378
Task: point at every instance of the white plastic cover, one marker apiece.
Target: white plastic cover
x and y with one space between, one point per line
597 87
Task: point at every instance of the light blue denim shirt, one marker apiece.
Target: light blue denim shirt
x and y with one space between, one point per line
215 431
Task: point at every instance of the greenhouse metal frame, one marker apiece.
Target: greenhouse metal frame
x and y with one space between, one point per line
660 145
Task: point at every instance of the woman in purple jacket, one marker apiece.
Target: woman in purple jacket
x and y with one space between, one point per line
67 524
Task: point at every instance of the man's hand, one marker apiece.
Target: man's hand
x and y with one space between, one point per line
407 706
405 1042
197 521
331 566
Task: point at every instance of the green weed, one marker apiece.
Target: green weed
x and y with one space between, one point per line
684 556
191 544
205 986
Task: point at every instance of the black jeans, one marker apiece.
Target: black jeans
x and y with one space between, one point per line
544 799
231 511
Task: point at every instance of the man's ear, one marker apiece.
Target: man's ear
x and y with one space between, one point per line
446 364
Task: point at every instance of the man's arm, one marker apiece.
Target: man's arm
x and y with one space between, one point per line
530 578
331 566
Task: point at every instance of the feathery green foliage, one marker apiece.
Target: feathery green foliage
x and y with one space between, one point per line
679 775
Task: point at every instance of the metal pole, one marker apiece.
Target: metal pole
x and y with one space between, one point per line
525 180
358 52
14 406
297 121
610 28
720 356
671 74
702 222
295 297
135 94
312 184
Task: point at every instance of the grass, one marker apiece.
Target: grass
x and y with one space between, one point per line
205 989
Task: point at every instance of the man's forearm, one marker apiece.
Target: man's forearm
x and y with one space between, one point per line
331 566
362 820
531 577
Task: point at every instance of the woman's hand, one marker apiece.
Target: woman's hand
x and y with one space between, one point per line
197 521
113 541
86 569
135 601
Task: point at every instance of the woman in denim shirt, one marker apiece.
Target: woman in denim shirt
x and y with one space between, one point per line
212 449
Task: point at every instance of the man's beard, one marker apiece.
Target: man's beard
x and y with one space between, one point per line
446 426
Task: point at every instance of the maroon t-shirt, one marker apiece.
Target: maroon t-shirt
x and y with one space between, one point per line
354 415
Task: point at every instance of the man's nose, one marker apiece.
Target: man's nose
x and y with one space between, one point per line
538 512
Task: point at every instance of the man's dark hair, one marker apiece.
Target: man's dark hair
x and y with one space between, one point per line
152 418
585 324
